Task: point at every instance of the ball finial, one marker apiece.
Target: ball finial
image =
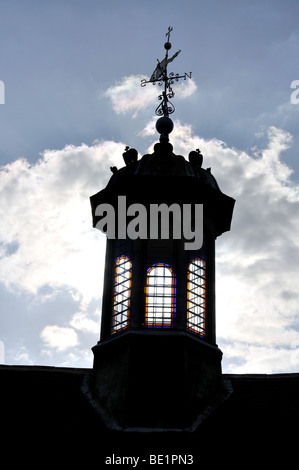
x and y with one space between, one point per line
167 45
164 125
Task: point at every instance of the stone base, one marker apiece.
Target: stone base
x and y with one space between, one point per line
155 379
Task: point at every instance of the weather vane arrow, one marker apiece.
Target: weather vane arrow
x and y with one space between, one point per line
160 76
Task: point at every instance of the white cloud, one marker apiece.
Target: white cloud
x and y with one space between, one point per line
186 88
59 338
22 356
128 95
45 211
258 358
82 321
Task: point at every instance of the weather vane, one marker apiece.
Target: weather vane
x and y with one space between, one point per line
161 76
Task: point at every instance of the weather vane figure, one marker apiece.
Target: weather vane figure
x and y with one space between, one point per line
160 76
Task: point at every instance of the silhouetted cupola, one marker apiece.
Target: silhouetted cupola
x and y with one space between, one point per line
157 364
156 283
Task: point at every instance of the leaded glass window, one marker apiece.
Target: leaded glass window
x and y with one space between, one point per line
160 296
196 297
122 293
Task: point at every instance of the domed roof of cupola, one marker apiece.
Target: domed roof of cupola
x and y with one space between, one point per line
164 163
164 177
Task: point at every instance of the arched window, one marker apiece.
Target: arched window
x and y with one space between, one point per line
196 296
122 293
160 296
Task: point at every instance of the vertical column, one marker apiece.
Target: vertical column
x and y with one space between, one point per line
137 304
181 288
108 285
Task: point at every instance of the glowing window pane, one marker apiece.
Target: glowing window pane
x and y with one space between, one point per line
196 297
122 293
160 296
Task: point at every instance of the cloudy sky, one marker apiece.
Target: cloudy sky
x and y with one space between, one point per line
71 74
